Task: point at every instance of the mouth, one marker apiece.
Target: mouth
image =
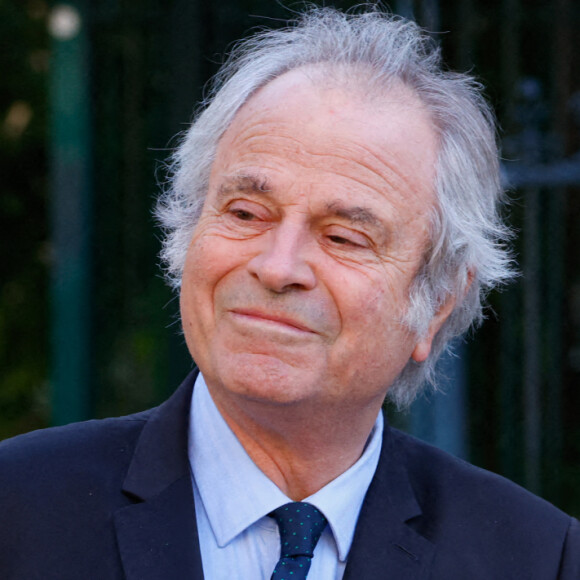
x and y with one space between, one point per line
266 317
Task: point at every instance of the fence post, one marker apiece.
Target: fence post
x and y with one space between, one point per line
70 158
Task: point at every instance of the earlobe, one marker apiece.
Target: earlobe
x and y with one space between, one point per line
423 346
421 350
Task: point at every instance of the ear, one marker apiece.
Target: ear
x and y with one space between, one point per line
423 346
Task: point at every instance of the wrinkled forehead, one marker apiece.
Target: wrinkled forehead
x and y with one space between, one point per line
377 114
329 113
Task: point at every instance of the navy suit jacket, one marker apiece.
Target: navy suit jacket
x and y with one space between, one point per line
113 499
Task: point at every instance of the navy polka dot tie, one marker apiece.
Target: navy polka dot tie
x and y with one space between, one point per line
301 525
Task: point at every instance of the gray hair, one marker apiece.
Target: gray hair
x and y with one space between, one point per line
467 256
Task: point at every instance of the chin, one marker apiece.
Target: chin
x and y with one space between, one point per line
266 378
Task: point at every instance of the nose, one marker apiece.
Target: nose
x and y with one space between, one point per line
282 263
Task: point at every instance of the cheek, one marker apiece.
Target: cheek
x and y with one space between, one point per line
377 342
372 301
200 273
372 319
208 260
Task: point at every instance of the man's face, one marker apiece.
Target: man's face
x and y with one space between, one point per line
314 227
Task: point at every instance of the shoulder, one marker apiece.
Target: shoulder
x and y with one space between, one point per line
55 442
97 452
474 515
435 474
72 453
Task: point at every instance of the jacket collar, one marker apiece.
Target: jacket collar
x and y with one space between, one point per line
157 535
385 545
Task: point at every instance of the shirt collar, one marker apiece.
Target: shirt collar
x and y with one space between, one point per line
236 493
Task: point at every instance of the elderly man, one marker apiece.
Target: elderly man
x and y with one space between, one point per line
331 224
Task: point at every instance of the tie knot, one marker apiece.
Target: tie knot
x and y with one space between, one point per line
301 525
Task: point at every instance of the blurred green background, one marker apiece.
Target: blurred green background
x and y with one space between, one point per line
91 96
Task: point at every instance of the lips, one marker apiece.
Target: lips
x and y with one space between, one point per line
272 317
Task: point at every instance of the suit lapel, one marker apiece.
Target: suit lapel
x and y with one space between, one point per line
157 535
384 545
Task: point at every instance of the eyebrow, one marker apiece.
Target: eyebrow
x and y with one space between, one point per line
357 214
243 183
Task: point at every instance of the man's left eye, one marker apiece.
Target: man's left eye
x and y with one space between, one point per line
339 240
353 241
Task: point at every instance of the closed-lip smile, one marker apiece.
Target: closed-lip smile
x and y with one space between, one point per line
258 314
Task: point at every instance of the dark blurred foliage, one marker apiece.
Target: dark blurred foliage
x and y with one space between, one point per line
23 216
149 62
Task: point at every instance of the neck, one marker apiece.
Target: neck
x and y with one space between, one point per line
300 448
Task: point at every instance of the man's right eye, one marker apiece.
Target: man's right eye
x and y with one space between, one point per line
242 214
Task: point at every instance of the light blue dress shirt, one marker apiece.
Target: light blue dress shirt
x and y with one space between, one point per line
238 540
